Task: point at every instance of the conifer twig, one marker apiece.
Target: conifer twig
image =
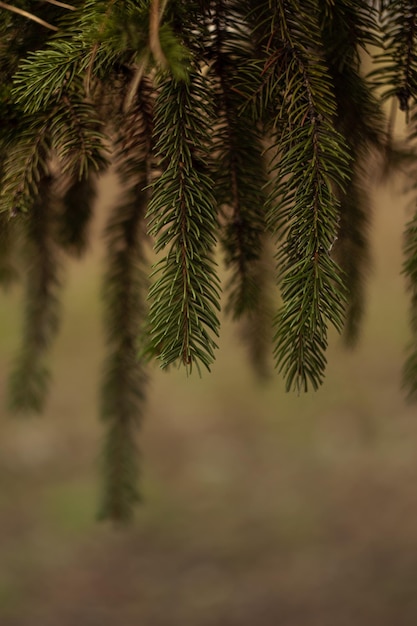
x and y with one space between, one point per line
30 16
155 16
63 5
140 71
94 51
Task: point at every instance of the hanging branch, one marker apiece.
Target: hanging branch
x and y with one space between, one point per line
106 12
30 377
410 271
311 163
255 329
8 241
76 214
182 217
26 164
240 176
398 74
124 292
397 64
239 171
123 392
76 135
348 27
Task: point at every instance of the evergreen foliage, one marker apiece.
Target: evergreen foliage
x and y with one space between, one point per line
236 128
182 218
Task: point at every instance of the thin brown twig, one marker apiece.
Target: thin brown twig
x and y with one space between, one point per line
95 48
140 71
29 16
63 5
155 16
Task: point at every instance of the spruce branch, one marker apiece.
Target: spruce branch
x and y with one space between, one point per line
134 85
124 380
255 327
352 249
397 71
8 244
30 376
239 173
25 164
96 35
45 74
76 135
398 74
311 165
182 216
77 202
348 28
410 272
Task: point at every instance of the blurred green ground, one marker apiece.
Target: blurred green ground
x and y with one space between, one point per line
259 507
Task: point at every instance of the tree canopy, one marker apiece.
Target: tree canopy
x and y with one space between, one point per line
239 125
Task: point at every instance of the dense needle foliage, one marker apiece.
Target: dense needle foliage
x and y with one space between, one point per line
237 128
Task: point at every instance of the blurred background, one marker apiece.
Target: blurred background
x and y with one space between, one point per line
259 507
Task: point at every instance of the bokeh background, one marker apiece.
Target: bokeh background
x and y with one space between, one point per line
260 507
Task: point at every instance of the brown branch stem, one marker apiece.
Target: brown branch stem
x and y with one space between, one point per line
29 16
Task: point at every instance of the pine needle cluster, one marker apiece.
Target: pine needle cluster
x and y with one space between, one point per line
236 128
